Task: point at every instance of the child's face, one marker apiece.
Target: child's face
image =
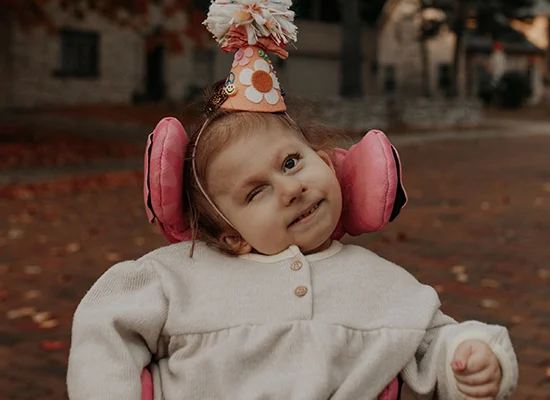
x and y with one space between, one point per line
276 191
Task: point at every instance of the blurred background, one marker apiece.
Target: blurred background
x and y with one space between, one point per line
461 87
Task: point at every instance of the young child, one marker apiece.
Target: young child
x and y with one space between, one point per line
268 306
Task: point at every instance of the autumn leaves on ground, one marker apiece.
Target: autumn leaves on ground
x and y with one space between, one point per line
476 227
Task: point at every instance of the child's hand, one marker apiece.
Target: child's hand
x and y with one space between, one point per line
476 369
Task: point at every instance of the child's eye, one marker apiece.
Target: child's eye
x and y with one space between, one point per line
291 162
253 194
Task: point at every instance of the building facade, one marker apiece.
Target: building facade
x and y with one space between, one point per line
93 60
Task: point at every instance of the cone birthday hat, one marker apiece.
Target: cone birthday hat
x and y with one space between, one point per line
251 29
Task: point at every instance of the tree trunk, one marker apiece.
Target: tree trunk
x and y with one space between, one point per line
351 57
547 72
462 6
426 87
6 60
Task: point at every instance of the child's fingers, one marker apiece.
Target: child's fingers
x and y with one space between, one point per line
487 375
488 391
478 361
461 356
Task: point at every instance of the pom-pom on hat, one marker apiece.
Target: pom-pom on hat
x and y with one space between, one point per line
251 29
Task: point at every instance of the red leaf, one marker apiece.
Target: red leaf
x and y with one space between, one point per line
50 345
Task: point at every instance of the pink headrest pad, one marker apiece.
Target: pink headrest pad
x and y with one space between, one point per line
369 174
370 177
163 190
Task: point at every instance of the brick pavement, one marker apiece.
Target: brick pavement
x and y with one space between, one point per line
480 206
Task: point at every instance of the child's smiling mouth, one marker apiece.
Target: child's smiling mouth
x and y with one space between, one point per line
306 215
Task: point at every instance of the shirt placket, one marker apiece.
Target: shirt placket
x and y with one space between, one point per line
301 290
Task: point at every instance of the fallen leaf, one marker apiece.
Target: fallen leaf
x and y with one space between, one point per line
139 241
49 345
13 314
15 234
49 324
21 312
64 278
401 237
113 257
27 311
505 199
490 283
73 247
489 303
516 319
32 270
463 278
40 317
32 294
458 269
385 239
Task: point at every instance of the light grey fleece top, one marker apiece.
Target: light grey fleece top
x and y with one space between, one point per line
339 324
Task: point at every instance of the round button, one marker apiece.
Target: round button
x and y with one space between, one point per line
296 265
300 291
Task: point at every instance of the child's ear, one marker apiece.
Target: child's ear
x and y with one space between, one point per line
326 158
235 242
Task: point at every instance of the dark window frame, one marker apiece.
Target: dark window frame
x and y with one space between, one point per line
79 54
389 85
444 76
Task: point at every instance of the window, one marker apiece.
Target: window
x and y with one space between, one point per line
79 53
317 10
444 77
389 79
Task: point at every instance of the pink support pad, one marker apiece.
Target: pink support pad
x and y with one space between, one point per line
163 190
370 176
147 390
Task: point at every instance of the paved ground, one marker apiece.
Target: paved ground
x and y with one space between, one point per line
476 228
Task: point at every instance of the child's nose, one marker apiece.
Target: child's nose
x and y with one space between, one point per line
292 189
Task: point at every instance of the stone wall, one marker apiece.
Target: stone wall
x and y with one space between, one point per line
378 112
439 113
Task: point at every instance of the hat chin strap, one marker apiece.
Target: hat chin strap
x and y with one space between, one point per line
201 188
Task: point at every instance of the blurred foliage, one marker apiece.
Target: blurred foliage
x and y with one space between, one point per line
132 14
484 17
330 10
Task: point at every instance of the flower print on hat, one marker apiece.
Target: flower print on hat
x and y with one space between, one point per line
262 83
242 56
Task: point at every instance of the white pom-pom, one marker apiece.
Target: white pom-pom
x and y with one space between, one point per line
261 18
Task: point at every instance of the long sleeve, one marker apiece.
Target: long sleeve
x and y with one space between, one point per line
115 330
430 371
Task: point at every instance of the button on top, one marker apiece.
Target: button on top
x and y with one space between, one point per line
300 291
296 265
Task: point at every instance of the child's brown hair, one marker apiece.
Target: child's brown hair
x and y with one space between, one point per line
219 127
